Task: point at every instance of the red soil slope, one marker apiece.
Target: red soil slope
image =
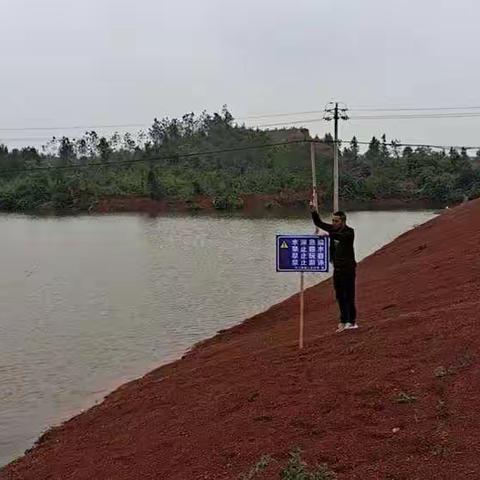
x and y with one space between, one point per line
251 203
249 392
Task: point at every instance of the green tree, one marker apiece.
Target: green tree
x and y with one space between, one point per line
354 148
384 150
104 149
374 154
328 138
66 151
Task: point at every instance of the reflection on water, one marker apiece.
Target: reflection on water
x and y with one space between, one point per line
89 301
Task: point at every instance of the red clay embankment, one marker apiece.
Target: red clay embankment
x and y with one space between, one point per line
398 399
251 204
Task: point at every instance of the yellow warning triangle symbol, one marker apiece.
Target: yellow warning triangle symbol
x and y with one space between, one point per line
284 245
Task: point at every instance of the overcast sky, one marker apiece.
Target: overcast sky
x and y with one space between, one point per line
88 62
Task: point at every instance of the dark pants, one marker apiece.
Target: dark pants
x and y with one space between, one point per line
344 283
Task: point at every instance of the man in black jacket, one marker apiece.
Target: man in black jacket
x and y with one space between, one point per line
342 255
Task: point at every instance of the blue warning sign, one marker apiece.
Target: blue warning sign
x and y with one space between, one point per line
302 253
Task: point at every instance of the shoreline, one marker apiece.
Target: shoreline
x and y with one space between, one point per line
251 204
254 206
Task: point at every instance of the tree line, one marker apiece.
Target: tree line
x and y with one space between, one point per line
161 163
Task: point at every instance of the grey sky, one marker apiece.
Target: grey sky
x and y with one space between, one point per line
68 62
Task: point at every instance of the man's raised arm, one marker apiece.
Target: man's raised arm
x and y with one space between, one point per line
327 227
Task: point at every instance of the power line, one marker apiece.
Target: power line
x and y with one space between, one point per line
419 145
378 117
342 141
271 115
29 139
157 158
369 109
125 125
402 144
406 109
311 120
139 125
416 116
293 122
74 127
285 114
222 151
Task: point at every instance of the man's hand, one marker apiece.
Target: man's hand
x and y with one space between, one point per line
313 207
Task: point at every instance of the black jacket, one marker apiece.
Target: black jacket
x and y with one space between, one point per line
342 253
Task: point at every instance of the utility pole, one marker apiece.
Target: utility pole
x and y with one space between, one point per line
314 173
314 180
333 112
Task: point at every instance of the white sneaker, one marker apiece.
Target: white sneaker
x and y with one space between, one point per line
341 327
351 326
